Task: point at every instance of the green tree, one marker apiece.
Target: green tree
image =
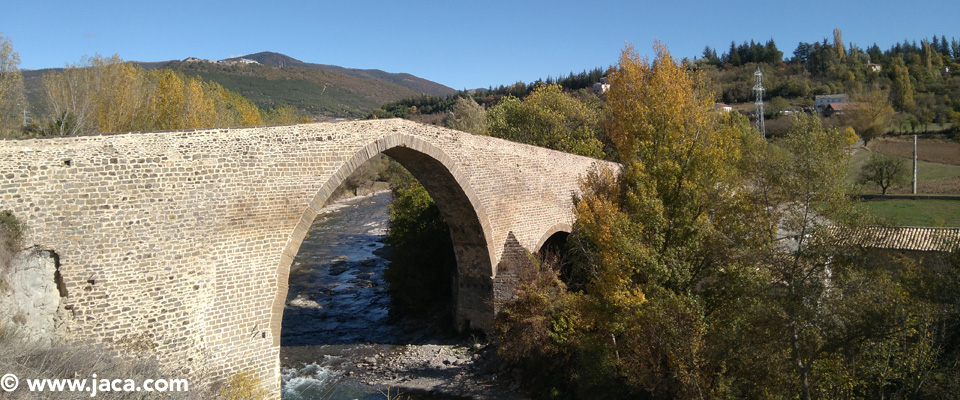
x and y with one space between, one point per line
883 170
12 95
282 115
550 118
804 206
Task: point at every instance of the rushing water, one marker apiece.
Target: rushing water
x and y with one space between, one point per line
338 307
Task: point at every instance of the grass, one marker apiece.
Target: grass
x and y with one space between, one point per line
904 212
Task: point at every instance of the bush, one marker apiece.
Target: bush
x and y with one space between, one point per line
11 235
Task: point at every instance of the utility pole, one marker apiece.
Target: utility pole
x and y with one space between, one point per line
914 164
758 105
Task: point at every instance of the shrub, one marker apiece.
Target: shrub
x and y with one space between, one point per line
11 235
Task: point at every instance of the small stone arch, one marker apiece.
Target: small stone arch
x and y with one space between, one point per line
458 203
560 228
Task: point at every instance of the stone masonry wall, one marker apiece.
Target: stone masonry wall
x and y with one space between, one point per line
180 242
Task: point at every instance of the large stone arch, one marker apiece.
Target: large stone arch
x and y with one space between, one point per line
465 216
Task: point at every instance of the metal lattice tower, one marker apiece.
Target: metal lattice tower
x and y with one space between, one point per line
758 105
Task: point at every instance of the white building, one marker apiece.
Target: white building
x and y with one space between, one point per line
822 101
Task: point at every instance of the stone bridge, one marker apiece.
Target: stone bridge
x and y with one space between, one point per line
180 243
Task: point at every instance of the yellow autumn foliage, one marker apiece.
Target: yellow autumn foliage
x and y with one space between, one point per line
102 95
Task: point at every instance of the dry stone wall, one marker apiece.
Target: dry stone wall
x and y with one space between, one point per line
179 243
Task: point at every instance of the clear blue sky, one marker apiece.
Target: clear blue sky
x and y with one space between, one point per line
462 44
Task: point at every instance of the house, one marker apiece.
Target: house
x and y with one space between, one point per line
722 107
839 108
821 101
875 67
601 87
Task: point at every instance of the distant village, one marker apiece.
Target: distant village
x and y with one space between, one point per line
221 62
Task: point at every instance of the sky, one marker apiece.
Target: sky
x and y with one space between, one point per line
461 44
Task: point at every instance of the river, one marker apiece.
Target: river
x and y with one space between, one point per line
340 338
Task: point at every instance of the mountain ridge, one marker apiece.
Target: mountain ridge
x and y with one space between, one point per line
407 80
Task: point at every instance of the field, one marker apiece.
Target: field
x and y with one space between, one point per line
902 212
938 173
931 150
938 168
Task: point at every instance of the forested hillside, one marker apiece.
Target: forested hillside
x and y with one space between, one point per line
921 81
318 93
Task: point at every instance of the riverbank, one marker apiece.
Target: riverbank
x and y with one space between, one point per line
425 371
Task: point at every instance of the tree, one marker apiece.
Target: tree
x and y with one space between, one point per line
468 116
850 137
101 95
838 44
772 55
644 236
883 170
167 102
803 204
802 53
873 116
12 95
550 118
902 87
733 56
710 56
70 95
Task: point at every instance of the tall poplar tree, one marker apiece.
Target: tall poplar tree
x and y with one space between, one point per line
12 98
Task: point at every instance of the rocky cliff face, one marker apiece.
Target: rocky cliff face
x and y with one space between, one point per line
30 306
